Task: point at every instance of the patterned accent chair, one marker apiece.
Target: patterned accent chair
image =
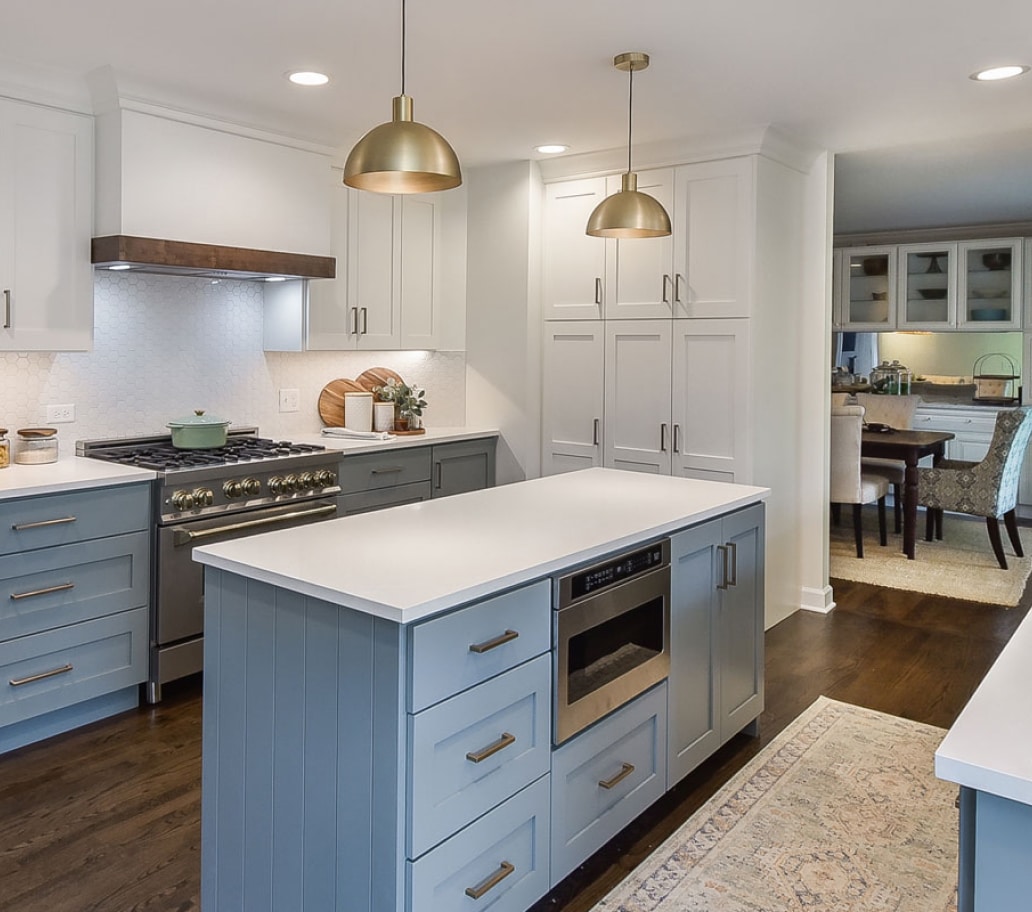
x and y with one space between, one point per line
897 412
988 488
848 484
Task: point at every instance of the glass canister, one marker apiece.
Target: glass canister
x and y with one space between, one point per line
5 449
893 379
36 446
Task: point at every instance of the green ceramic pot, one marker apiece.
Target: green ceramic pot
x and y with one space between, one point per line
198 432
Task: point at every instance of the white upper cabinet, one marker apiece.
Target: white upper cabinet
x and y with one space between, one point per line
927 293
574 398
573 264
989 284
373 270
46 218
866 290
640 280
714 238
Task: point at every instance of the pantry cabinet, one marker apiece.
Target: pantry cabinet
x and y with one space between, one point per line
574 401
973 286
385 296
46 219
573 264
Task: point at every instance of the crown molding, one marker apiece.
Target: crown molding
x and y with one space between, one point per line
941 233
44 86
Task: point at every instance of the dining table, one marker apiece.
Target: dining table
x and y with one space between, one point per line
909 447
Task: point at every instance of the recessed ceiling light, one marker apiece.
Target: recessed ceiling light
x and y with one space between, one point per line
1000 72
551 148
308 78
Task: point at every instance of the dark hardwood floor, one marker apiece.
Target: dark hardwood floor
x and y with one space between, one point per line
106 819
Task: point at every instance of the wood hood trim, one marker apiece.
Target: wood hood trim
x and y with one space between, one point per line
154 255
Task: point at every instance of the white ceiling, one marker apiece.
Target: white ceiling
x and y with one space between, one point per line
498 78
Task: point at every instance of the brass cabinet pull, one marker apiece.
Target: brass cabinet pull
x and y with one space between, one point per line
499 640
733 549
21 527
7 308
184 536
61 587
723 549
491 749
625 770
594 432
64 669
389 470
598 291
504 870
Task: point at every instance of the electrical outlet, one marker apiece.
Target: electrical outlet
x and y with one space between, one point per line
289 400
60 414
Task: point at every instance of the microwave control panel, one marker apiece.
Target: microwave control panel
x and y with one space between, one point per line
615 571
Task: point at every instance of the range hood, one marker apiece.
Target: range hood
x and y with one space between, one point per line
154 255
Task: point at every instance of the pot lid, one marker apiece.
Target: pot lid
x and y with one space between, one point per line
197 419
36 432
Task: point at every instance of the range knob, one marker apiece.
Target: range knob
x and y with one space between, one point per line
276 485
232 489
252 486
203 497
305 481
290 483
326 478
182 500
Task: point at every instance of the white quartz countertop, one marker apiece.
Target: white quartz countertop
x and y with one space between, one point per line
989 747
69 473
348 446
412 561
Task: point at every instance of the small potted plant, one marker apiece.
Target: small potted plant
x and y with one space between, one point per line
408 403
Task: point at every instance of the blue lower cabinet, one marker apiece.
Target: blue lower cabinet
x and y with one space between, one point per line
605 777
500 862
471 752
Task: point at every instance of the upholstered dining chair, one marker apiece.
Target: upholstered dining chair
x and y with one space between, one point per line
988 488
897 412
850 485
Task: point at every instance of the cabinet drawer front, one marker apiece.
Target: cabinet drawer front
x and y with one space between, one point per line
473 751
55 587
381 498
458 650
958 423
60 519
369 471
47 671
627 752
513 836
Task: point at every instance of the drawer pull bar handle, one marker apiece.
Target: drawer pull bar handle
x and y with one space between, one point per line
491 749
185 536
64 669
598 291
504 870
733 548
7 308
500 640
21 527
625 770
59 588
725 570
389 470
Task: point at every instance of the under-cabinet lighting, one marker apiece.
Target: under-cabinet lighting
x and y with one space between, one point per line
308 78
1001 72
119 267
275 278
551 148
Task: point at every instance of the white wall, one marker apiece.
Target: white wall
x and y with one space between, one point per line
165 345
949 354
503 313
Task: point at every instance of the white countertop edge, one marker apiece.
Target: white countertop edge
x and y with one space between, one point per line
69 473
989 747
466 594
348 446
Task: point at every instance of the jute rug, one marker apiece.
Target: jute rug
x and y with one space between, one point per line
961 566
841 812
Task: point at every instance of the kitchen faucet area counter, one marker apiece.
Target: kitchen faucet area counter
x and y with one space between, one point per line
417 560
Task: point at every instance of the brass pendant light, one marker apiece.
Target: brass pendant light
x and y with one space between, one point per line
629 213
402 156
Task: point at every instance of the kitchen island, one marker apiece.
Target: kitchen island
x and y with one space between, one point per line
379 692
988 753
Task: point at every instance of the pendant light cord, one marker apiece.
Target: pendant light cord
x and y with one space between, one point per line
402 47
630 110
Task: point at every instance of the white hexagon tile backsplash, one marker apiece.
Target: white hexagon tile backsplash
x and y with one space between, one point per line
166 345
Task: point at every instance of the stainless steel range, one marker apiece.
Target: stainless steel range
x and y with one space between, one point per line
252 484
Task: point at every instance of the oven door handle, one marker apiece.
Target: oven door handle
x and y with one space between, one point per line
185 536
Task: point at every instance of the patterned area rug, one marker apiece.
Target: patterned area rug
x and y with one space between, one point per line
841 812
961 566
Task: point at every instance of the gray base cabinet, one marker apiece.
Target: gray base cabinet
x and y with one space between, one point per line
466 465
716 634
351 763
74 591
994 873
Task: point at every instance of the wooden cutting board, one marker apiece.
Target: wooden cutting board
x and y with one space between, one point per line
377 376
331 400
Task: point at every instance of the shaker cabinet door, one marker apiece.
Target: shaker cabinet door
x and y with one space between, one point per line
573 264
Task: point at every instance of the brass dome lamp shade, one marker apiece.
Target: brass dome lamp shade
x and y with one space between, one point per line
629 213
402 156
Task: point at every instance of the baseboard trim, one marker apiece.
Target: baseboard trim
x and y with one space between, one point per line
820 600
